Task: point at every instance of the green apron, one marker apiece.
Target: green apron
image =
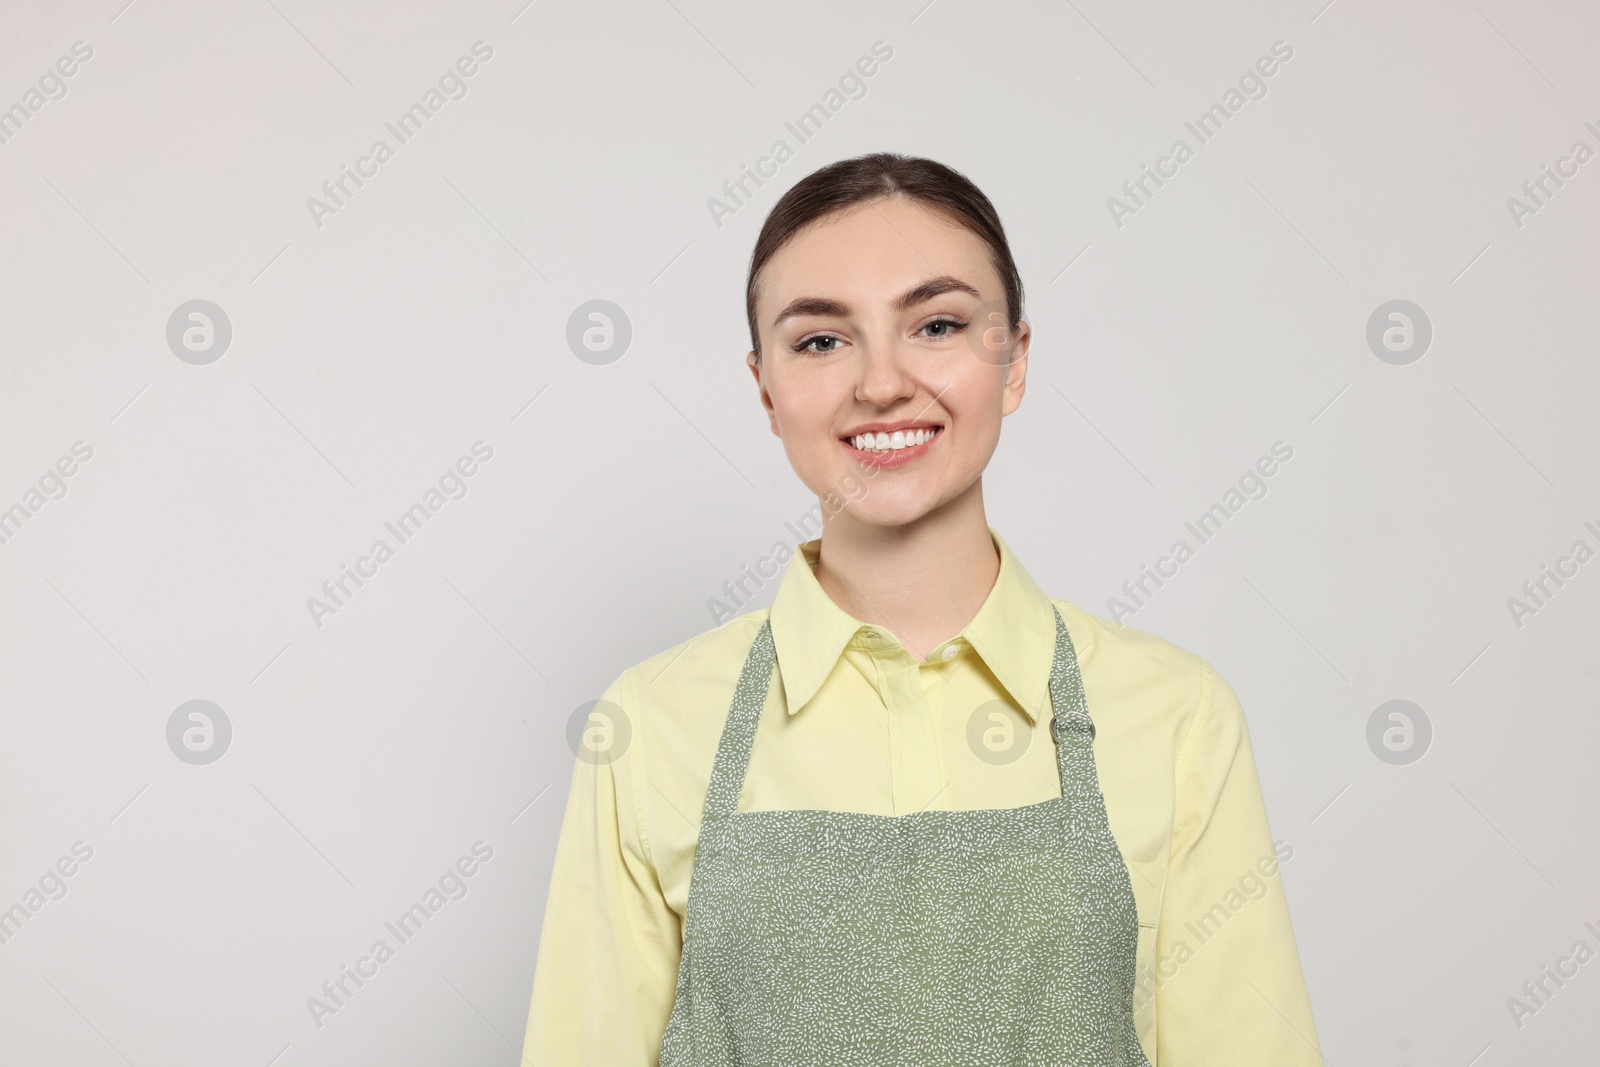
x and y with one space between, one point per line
987 937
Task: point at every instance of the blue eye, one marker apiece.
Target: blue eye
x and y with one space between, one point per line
945 327
807 344
823 344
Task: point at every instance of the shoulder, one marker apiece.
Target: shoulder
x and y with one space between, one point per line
675 703
1122 647
711 651
1155 684
691 681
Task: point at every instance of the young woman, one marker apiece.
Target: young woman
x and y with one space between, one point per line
918 812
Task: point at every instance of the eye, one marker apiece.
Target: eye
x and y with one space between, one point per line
944 327
820 343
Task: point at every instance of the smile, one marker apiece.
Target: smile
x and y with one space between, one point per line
888 448
892 442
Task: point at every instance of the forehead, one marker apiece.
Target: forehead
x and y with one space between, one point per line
874 252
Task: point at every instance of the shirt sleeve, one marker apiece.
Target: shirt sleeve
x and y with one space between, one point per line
1229 988
606 975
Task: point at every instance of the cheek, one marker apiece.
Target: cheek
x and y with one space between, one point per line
975 403
806 401
801 420
805 425
976 446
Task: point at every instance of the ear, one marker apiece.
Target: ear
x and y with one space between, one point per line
1016 382
766 398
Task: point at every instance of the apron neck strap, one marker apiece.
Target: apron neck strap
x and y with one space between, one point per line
1072 728
733 751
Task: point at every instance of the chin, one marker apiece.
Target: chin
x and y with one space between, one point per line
887 513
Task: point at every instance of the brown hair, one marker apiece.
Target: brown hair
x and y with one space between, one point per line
879 176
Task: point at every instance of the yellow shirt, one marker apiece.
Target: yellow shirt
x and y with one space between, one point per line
853 722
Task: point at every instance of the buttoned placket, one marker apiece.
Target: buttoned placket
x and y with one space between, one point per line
913 695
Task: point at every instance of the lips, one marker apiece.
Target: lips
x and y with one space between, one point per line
891 427
888 445
881 441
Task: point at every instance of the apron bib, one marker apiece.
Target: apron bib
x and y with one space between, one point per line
1000 936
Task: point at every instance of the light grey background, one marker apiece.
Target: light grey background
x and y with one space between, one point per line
430 312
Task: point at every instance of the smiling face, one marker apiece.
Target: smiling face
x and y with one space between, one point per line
885 361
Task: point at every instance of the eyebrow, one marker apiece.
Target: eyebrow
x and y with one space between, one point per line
816 305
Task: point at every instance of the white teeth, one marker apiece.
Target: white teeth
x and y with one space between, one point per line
891 442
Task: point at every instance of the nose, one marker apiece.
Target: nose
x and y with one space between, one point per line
884 372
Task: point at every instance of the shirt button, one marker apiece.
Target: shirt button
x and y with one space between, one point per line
949 653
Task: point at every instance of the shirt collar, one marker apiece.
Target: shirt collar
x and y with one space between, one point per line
1013 632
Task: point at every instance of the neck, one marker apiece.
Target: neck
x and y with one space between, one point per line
922 581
